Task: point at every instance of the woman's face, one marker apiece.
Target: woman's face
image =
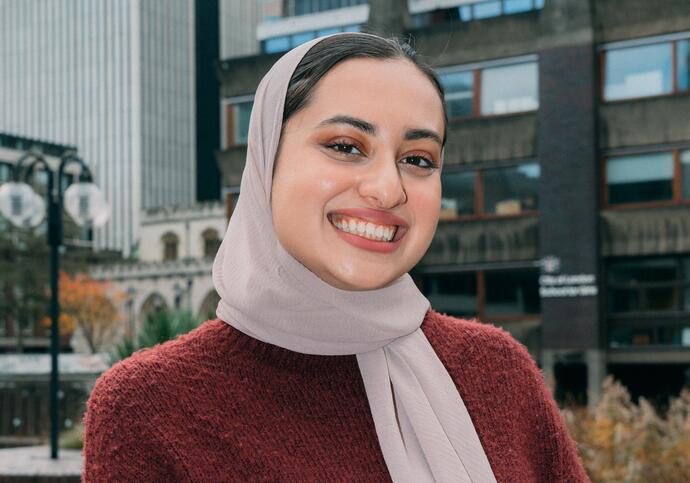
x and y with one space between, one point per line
357 189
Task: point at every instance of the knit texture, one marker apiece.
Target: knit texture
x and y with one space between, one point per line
218 405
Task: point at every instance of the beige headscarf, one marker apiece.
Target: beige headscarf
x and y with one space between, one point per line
424 429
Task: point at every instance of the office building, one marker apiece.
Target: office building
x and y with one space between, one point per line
566 185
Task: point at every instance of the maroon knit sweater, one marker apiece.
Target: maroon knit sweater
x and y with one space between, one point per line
218 405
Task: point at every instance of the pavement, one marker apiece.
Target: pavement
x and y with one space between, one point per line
35 461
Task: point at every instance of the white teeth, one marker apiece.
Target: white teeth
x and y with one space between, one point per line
364 229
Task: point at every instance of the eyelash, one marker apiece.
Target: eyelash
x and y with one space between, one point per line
431 163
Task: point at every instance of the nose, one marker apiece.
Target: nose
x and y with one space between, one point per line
382 185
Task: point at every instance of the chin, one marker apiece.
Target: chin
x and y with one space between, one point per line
362 283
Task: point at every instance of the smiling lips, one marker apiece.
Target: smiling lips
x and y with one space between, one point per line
365 229
369 229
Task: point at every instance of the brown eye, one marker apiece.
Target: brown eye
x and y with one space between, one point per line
344 148
420 161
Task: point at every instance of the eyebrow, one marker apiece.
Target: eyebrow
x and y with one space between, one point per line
368 128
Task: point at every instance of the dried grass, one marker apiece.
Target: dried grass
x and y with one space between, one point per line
620 441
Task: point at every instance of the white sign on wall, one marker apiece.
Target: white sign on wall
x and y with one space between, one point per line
579 285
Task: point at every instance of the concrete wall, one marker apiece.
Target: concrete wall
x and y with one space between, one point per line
619 20
231 164
187 225
494 38
624 124
485 140
168 281
242 75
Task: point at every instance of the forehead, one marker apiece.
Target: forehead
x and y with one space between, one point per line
391 92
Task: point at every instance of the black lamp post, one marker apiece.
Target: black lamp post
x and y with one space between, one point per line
131 294
22 206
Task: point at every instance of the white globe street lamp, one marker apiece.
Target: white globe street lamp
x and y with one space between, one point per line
86 204
23 207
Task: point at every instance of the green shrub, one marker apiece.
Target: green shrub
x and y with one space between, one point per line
161 326
72 438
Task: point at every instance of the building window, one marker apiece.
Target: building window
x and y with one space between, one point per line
503 89
685 173
453 293
459 88
478 10
490 192
638 72
170 243
653 69
284 43
512 190
512 292
499 295
305 7
236 122
683 53
277 44
329 31
511 88
300 38
487 9
211 242
518 6
648 178
5 172
644 285
648 301
458 192
640 178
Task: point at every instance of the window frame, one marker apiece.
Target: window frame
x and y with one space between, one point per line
210 236
480 281
171 246
677 195
477 68
315 32
291 7
650 320
466 12
479 192
227 121
673 39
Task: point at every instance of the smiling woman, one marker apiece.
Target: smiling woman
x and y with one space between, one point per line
361 160
326 363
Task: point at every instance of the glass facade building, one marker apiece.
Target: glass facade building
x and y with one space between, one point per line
116 80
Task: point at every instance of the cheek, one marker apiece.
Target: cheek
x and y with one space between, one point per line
312 189
302 192
426 203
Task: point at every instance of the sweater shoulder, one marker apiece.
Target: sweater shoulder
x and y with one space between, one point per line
472 336
130 403
514 413
151 367
474 347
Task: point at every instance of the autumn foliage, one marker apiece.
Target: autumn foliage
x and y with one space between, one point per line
622 441
91 305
